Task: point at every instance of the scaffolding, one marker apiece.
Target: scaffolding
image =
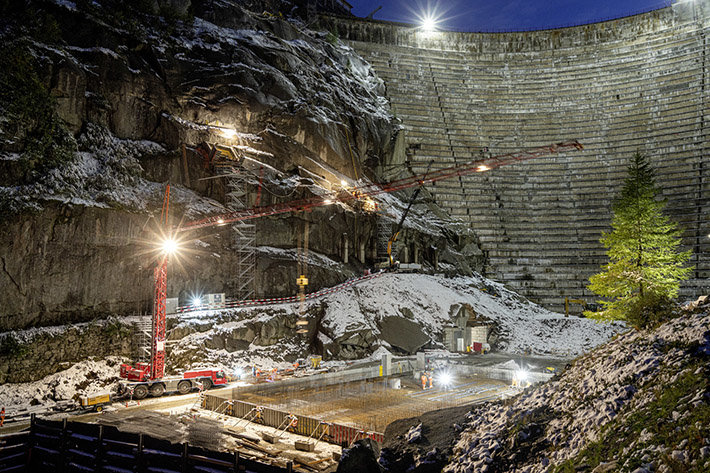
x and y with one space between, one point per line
243 232
144 337
384 233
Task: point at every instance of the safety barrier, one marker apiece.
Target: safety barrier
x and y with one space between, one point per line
334 433
232 303
60 446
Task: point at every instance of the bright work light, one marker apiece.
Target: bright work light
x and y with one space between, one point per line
196 301
429 24
522 375
227 133
445 379
169 246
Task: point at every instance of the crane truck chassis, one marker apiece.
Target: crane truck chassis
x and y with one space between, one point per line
183 385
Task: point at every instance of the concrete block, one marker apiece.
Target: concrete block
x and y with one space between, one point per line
269 437
421 361
304 446
387 364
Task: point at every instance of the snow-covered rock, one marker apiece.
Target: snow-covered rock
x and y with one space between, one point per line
626 402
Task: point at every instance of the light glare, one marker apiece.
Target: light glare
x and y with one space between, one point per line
445 379
429 23
228 133
170 246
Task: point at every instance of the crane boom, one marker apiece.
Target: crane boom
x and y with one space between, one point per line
369 190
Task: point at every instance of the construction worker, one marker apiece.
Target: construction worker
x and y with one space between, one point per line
2 416
431 380
424 379
258 415
292 423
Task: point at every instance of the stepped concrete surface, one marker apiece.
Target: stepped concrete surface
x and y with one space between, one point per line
638 83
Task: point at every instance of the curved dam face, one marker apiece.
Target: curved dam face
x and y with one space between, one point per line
638 83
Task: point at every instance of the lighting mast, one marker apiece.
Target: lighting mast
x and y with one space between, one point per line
157 354
156 368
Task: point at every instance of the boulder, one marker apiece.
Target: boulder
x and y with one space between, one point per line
360 458
402 333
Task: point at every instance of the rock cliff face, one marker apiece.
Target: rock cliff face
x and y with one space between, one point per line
132 86
34 356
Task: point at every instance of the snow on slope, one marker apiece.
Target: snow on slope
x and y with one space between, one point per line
430 301
85 377
525 327
620 395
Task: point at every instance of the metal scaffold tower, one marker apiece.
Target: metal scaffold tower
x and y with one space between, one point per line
384 232
144 332
243 233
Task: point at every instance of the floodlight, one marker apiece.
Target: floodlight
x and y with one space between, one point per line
429 24
522 375
343 182
445 379
169 246
197 300
328 201
227 133
482 168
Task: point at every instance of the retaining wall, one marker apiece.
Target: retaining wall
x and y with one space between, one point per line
635 84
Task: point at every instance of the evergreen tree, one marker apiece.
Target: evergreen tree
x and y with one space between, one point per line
645 267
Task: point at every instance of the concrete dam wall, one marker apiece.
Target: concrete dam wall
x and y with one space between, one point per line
638 83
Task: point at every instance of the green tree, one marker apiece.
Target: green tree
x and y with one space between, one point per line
645 266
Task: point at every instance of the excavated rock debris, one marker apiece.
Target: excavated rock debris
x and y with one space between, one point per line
360 458
422 444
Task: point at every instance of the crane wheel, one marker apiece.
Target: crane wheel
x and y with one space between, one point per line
184 387
99 408
157 389
140 391
206 384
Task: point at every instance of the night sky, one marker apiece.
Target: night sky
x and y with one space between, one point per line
505 15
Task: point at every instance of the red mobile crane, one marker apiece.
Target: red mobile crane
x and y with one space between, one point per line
145 378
